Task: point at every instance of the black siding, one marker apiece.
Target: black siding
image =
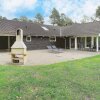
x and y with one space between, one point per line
37 43
3 42
60 42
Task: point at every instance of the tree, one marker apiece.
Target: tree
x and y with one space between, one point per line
98 12
39 18
1 18
85 19
65 20
55 17
62 20
4 18
30 20
23 18
15 19
93 19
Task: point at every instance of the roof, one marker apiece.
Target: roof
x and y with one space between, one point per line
84 29
9 27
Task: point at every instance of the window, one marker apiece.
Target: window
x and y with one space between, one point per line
28 38
46 29
52 39
88 41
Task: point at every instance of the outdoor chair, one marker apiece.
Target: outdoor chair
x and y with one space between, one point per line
54 50
49 48
59 49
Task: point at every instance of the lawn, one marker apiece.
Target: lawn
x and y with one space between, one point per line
72 80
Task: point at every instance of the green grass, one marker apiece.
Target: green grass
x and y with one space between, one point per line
73 80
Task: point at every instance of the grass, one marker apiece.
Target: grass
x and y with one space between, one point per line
73 80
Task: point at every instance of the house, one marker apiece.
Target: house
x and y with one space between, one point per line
38 36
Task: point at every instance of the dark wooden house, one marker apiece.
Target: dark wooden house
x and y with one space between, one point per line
38 36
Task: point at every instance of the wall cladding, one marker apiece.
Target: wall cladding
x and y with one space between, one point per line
37 43
60 42
3 42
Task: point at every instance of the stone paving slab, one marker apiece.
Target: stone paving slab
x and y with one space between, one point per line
44 57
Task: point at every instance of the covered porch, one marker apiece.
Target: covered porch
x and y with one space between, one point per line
86 43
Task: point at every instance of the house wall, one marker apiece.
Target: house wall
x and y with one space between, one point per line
12 40
37 43
60 42
3 42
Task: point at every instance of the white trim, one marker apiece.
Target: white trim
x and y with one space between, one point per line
75 43
60 32
92 42
85 42
69 43
52 39
29 39
97 44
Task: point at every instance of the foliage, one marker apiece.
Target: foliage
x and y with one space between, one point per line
85 19
3 18
72 80
15 19
98 12
23 18
39 18
93 19
60 20
55 17
64 21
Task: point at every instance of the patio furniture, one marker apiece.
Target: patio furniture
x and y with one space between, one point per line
49 48
54 50
59 49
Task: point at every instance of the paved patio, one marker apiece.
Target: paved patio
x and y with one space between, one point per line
38 57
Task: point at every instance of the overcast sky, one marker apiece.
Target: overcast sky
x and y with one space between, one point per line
75 9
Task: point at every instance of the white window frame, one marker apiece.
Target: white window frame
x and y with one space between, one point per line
52 39
28 37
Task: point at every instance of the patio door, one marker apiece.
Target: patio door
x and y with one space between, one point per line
72 43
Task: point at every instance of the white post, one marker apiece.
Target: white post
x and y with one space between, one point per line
92 42
97 44
75 43
85 42
70 43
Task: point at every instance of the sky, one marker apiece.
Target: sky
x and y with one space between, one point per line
75 9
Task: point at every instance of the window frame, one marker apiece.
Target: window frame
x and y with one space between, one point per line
28 40
51 39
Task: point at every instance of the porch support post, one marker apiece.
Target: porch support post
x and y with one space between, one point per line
85 42
70 43
97 44
75 43
92 42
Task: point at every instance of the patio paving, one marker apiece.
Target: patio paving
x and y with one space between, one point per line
43 57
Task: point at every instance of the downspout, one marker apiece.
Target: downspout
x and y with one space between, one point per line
60 32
